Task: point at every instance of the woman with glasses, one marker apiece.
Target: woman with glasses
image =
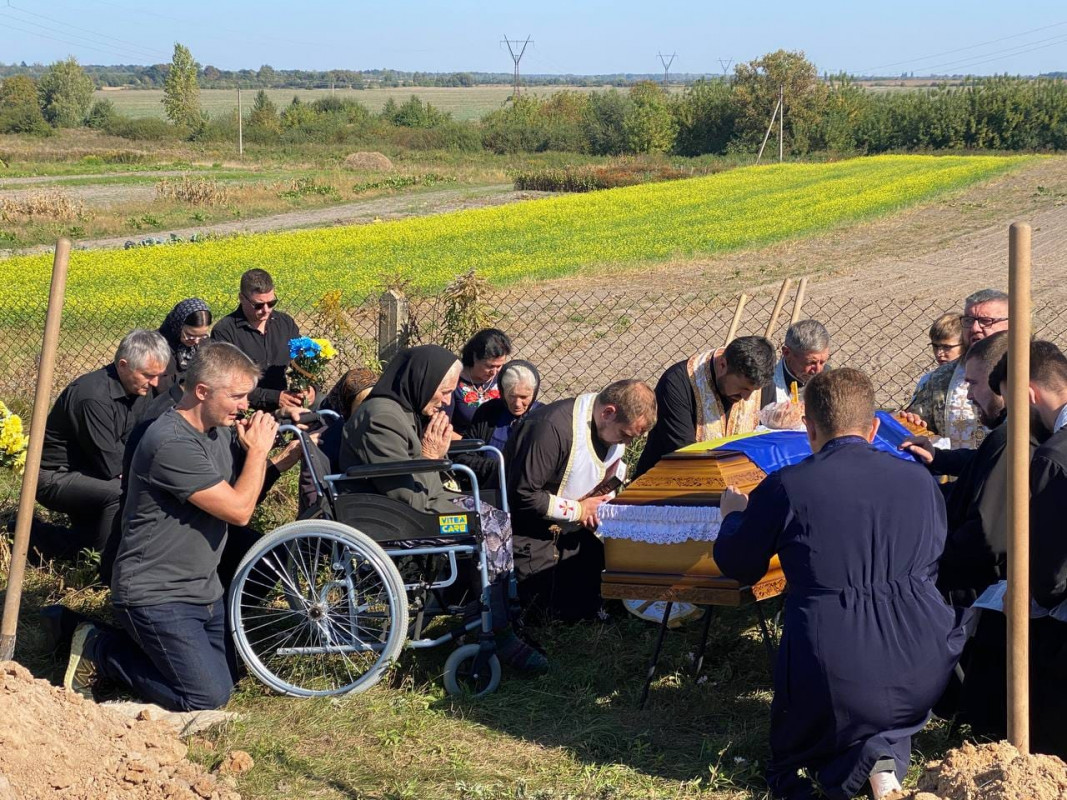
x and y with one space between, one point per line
185 327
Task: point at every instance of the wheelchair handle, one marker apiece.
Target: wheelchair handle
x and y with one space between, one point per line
362 471
462 446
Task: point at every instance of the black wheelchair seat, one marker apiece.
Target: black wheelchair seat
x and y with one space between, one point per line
390 521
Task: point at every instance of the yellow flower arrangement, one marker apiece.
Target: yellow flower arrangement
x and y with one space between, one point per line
12 441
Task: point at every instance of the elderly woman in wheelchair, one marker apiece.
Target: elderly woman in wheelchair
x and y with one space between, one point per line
320 607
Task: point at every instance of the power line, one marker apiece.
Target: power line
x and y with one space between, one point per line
56 38
666 66
128 47
981 58
516 57
961 49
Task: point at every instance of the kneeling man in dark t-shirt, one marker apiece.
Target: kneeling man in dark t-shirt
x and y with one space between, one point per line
197 470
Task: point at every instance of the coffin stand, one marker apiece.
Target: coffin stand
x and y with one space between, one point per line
686 571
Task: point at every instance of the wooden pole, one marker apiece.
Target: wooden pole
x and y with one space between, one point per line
767 135
798 303
772 323
737 318
41 397
1018 599
240 125
781 122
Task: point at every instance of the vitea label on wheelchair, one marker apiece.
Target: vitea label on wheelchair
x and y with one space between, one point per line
457 523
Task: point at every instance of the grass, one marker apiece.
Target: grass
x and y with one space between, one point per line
463 103
575 732
547 238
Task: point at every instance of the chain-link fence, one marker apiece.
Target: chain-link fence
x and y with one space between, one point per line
580 340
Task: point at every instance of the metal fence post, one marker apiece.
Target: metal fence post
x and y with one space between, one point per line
392 324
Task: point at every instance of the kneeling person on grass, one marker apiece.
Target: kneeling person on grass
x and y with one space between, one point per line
197 470
868 643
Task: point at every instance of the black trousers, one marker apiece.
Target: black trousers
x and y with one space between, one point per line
92 505
559 576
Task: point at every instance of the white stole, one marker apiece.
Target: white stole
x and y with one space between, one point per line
584 468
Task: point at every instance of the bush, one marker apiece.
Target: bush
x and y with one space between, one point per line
102 115
589 178
146 129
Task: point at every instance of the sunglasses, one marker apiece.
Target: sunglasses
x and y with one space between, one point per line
261 306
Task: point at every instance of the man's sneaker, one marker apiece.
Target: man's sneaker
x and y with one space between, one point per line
58 624
81 667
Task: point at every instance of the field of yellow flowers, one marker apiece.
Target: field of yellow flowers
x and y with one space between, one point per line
537 239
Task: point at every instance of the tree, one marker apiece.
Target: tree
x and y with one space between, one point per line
66 93
649 126
181 92
19 112
755 93
264 116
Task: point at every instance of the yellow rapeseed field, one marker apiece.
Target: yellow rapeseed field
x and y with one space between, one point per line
537 239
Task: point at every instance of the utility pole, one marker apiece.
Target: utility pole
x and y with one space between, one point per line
666 66
240 125
779 114
781 121
516 57
725 64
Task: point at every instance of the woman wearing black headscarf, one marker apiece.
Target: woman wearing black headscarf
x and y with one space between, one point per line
186 326
402 420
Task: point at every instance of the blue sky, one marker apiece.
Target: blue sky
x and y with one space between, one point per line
1024 37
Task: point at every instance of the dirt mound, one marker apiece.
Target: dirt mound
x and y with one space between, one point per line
55 744
990 772
369 161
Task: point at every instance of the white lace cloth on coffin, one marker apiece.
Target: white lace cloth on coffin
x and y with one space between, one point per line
659 524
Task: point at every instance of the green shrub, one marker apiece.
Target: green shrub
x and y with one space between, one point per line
147 129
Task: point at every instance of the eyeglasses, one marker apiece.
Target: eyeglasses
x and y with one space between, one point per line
943 348
261 306
985 323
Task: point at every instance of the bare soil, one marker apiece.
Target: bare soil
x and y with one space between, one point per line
54 744
990 772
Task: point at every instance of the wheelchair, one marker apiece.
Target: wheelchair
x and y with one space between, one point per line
319 607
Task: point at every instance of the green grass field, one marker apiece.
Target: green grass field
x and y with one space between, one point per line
463 103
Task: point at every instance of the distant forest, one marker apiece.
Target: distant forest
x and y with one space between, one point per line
266 77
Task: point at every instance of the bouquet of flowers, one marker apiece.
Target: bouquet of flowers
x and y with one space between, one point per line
307 361
12 441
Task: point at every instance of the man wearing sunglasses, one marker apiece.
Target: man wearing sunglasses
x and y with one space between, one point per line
263 333
941 402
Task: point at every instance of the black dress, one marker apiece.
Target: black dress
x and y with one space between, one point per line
558 564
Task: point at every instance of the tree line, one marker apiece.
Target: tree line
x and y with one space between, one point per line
708 117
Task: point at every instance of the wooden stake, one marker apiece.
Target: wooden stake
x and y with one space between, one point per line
42 395
798 303
772 323
737 318
1017 607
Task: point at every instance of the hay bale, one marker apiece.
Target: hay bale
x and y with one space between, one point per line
368 162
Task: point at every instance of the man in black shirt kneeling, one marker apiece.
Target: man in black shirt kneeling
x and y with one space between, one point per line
197 470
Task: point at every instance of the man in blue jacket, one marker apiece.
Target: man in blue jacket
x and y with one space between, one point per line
868 642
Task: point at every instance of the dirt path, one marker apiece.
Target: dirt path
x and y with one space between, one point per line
29 181
384 208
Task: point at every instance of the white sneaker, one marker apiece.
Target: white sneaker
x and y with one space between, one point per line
883 783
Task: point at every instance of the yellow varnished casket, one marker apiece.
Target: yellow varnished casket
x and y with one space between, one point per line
659 531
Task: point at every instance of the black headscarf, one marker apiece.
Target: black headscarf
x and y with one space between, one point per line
171 329
519 363
412 378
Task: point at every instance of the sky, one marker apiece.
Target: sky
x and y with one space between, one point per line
1025 37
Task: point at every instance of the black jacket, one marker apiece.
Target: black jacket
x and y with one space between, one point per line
1048 521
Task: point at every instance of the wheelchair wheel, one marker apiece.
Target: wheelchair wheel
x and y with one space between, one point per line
317 608
465 676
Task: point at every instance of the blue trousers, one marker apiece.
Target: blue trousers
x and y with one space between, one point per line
176 655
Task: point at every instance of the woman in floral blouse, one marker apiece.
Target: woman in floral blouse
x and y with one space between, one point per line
483 356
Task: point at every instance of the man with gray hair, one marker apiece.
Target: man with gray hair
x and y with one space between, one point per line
84 438
804 355
941 403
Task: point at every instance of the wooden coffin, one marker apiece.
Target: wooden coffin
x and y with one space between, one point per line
695 476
